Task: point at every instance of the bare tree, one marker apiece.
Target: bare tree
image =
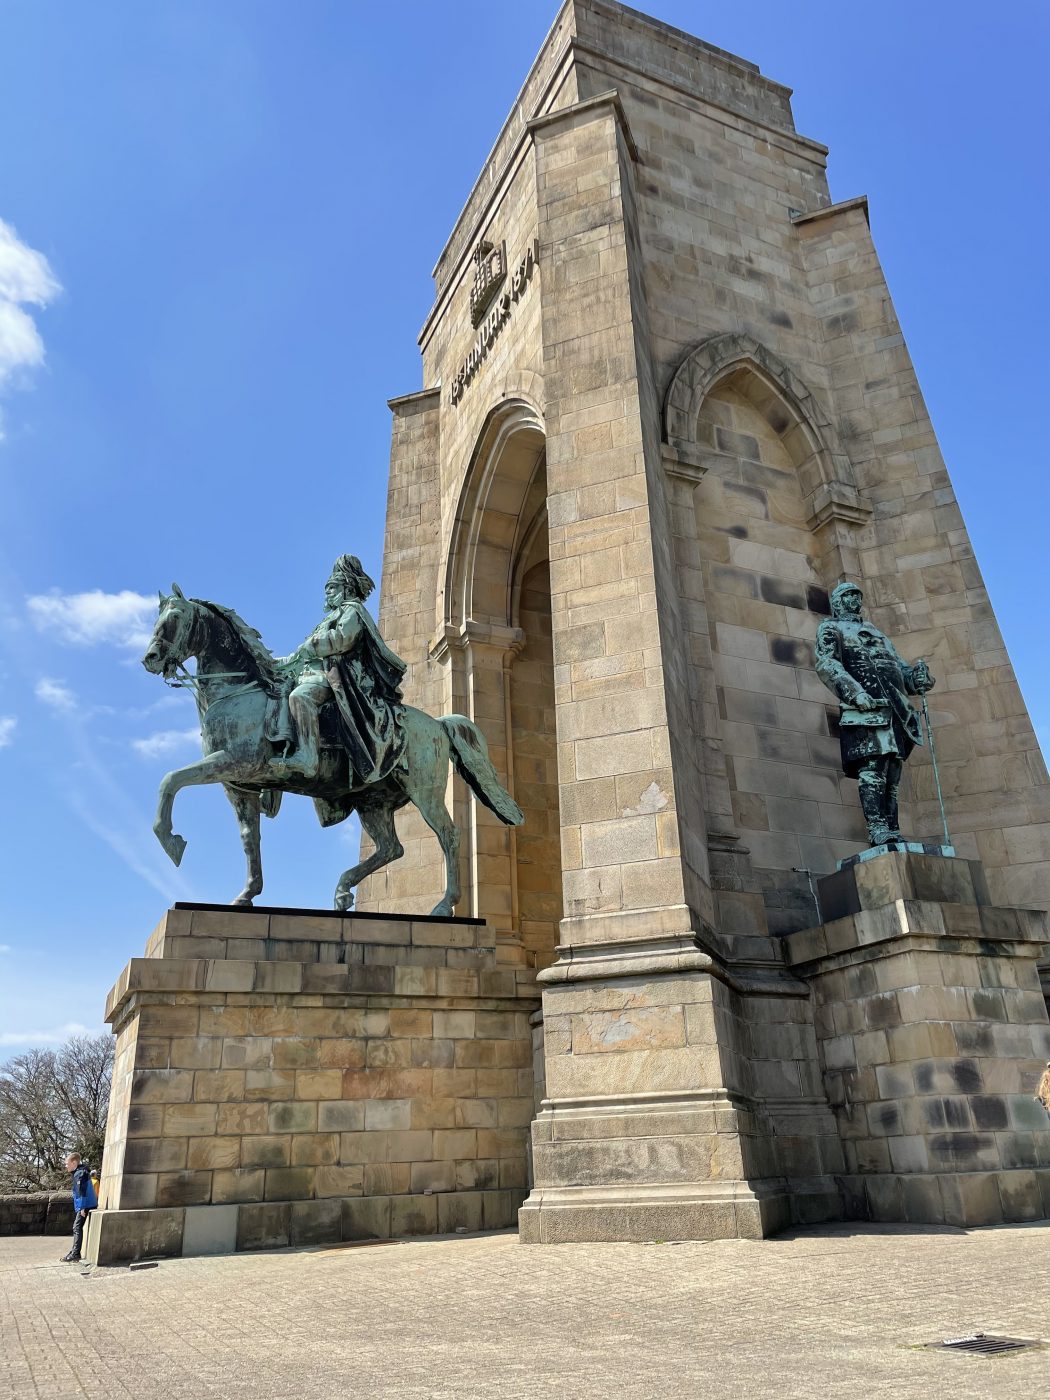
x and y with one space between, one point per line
53 1102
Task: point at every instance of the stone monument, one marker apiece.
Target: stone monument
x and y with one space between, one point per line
293 1076
668 409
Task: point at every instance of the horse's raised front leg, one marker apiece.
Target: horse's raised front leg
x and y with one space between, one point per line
216 768
432 809
378 821
246 805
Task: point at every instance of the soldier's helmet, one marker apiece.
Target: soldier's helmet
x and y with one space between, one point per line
839 592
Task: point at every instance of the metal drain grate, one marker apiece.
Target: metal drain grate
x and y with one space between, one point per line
981 1344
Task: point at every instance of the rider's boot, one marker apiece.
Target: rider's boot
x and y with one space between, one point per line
304 760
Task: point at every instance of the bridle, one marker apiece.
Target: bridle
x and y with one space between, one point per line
186 679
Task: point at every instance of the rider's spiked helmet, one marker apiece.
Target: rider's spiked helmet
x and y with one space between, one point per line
347 569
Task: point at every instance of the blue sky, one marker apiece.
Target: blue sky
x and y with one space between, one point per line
219 223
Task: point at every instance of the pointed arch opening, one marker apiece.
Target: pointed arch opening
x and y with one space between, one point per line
498 630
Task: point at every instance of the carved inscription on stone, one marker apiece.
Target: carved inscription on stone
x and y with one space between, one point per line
497 317
490 273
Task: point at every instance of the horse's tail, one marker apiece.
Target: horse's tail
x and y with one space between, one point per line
470 758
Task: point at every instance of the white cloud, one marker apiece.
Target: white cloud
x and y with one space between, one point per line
7 730
55 693
5 947
87 619
26 279
57 1035
165 741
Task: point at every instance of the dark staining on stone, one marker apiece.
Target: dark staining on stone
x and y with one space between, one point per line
754 494
739 444
924 1077
739 532
887 1116
989 1005
785 595
959 1149
791 651
777 419
741 582
840 324
779 318
966 1075
933 1110
817 600
956 1113
989 1111
833 721
974 1039
882 1011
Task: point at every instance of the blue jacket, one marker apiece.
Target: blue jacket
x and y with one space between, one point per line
84 1197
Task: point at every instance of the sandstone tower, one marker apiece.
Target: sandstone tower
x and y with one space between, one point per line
668 406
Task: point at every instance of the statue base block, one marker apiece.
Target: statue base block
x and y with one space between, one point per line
285 1077
932 1033
915 848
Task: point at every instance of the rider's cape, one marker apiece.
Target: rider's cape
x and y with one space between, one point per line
366 683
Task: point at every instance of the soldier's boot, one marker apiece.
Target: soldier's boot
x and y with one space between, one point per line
893 782
305 759
871 785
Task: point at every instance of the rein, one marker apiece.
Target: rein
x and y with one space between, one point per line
197 684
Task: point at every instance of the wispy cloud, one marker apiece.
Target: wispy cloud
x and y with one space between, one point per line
5 947
165 741
123 619
26 279
57 1035
55 693
7 730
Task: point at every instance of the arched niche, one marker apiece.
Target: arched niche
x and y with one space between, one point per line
497 641
765 499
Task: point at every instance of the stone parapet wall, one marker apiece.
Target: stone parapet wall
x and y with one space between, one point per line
399 1069
36 1213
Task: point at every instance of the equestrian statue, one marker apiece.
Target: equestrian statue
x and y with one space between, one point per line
328 722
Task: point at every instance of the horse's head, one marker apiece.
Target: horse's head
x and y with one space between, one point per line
171 642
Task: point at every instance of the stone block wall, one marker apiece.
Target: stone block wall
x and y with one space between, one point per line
36 1213
933 1035
340 1072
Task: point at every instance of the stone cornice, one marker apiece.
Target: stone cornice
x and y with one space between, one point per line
840 502
859 201
601 100
477 636
417 399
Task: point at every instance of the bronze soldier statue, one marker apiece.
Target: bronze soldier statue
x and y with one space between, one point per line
878 728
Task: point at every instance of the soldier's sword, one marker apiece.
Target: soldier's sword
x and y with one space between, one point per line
936 770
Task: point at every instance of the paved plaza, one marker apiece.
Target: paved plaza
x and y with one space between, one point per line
838 1311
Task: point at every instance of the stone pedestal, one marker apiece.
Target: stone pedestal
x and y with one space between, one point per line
289 1077
933 1035
682 1101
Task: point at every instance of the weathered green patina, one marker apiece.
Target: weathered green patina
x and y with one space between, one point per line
327 722
878 726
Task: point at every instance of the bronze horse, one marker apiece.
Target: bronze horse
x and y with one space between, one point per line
236 685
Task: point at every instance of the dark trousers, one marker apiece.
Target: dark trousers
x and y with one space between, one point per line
79 1221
